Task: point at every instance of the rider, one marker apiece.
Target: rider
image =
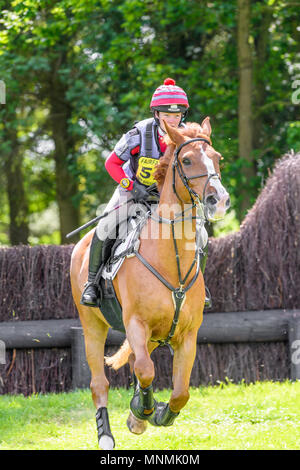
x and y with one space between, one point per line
132 165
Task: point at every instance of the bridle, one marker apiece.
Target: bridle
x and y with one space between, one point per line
179 293
185 179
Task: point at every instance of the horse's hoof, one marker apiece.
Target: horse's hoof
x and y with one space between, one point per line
135 425
106 443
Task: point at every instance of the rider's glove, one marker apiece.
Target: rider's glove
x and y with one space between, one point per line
139 191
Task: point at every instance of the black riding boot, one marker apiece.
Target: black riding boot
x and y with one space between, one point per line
90 294
208 302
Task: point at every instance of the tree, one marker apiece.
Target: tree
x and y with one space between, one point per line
11 148
52 62
13 169
245 108
86 72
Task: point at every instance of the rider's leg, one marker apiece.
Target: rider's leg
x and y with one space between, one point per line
203 260
105 228
90 293
203 242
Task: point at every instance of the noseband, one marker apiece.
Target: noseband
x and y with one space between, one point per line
185 179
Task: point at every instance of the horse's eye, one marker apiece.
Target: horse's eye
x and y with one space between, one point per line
186 161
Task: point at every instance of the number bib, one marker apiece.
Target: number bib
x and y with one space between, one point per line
146 169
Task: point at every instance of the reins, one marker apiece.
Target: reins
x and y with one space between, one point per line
179 293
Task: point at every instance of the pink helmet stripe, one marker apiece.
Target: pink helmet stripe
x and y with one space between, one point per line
169 93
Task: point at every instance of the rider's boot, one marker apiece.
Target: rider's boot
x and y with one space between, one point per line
208 302
90 294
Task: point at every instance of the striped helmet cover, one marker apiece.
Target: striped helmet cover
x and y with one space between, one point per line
169 94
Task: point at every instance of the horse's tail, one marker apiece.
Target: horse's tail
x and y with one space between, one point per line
120 358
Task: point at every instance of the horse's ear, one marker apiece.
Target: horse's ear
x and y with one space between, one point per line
175 136
206 127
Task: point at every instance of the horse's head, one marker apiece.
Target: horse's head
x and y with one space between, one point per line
196 170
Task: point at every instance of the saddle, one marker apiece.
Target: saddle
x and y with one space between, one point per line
114 254
115 251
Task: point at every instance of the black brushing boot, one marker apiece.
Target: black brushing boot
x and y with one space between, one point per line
90 294
208 302
105 437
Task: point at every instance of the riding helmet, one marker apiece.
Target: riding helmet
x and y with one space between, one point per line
169 98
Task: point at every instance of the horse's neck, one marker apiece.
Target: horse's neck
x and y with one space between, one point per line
159 247
183 229
171 208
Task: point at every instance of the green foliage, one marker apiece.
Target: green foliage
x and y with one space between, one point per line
293 136
109 56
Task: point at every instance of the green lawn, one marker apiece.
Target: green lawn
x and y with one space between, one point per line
257 416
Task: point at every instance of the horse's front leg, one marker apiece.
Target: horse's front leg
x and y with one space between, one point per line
142 404
184 357
95 333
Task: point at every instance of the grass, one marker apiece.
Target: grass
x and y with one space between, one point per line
258 416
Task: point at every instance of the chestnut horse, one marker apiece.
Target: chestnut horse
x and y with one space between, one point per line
159 304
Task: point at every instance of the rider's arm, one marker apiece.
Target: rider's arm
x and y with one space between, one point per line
113 166
126 148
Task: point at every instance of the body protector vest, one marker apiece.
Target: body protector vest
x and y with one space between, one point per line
141 166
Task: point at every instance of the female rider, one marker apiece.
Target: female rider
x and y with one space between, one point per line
132 164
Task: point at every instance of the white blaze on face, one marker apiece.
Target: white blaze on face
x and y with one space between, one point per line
214 181
219 209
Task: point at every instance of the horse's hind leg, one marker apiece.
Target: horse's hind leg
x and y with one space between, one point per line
95 333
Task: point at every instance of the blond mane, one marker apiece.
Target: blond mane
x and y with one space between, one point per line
192 130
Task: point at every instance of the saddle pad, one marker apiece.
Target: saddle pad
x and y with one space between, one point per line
110 306
110 270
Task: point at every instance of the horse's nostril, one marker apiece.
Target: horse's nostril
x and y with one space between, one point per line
228 202
211 200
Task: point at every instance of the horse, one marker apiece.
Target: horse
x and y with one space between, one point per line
160 305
